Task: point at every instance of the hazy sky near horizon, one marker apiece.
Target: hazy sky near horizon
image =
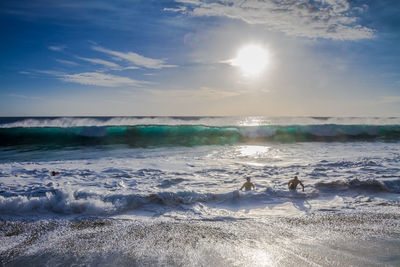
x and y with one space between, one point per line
175 57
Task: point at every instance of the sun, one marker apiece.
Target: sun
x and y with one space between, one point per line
251 59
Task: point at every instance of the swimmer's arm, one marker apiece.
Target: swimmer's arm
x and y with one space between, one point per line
253 186
302 185
242 186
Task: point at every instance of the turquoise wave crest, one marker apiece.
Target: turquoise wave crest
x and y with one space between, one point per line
194 135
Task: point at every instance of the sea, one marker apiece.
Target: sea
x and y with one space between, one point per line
164 191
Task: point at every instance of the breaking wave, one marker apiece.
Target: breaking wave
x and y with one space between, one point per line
193 135
78 202
66 122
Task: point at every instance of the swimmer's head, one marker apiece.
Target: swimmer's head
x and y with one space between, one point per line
296 178
248 179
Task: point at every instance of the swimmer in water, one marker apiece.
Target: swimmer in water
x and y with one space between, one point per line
294 183
248 185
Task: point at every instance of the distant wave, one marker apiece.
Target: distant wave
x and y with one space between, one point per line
67 122
390 186
193 135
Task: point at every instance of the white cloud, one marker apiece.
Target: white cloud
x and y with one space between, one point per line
136 59
129 68
50 72
332 19
100 62
101 79
56 48
361 9
24 72
179 9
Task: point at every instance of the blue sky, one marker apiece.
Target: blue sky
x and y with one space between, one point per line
174 57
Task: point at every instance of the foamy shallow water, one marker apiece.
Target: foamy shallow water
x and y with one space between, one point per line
178 205
158 179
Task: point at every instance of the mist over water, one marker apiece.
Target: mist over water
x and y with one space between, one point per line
13 122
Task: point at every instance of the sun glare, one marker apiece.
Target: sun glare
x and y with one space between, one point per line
253 150
252 60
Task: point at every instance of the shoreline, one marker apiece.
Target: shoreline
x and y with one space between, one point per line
327 239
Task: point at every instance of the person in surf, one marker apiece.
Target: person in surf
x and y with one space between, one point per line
294 183
248 185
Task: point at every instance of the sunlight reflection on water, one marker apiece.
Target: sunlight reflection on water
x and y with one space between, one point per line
256 151
254 121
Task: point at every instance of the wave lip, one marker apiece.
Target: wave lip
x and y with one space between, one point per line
67 122
193 135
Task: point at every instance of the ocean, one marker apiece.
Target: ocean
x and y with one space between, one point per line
164 191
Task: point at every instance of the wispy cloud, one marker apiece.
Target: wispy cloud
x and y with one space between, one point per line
56 48
332 19
24 72
99 62
101 79
202 92
67 62
25 96
95 78
179 9
136 59
49 72
106 63
390 99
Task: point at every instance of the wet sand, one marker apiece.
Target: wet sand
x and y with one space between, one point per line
330 239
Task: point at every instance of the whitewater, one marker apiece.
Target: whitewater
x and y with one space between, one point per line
139 191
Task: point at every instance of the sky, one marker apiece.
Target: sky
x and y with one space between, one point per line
185 58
